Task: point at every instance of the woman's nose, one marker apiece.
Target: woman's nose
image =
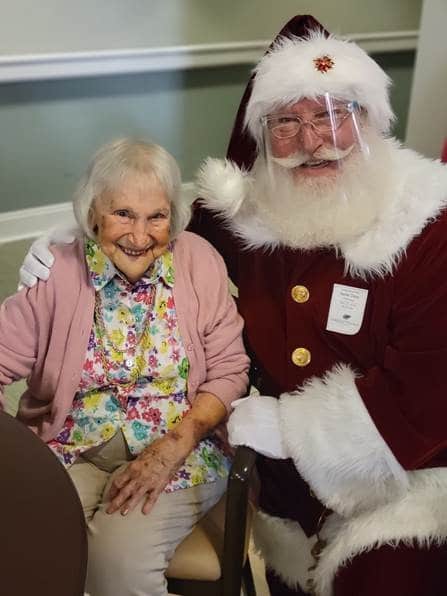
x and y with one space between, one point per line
140 233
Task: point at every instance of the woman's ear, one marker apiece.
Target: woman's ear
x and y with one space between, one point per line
92 219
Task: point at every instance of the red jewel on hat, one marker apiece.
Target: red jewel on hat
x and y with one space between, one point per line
323 63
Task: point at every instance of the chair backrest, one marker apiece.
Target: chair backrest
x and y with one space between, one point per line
43 545
212 561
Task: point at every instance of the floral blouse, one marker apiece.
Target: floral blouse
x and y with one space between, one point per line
135 373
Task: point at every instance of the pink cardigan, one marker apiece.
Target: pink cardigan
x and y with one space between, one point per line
44 332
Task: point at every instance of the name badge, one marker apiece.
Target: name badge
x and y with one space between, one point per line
346 309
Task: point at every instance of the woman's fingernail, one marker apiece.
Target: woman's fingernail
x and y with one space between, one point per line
125 512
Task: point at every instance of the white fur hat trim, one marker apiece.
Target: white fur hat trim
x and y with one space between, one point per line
296 68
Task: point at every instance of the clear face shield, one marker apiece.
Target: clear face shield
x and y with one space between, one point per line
313 141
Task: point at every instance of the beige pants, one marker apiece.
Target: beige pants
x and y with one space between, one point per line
128 555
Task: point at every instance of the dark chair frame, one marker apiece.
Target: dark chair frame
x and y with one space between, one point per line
236 573
44 540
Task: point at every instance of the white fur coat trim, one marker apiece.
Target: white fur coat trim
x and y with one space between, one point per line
284 547
335 445
224 189
419 517
416 194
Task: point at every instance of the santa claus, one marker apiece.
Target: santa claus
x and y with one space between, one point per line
336 238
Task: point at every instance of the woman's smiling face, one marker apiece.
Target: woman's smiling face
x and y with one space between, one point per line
132 225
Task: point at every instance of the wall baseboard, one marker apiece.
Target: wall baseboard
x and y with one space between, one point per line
35 221
34 67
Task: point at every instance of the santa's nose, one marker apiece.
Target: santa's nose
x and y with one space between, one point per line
309 141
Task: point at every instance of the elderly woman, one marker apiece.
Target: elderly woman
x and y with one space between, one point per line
133 355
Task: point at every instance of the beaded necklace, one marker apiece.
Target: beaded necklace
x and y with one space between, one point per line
130 363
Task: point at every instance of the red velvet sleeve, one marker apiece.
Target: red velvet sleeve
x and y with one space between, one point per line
407 395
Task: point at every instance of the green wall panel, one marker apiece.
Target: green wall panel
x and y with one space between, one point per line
50 129
400 67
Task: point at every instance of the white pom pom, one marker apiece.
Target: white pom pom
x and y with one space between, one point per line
222 186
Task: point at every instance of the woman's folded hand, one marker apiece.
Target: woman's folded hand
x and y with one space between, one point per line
147 475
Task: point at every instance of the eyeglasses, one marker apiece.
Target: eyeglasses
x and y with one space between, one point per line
324 122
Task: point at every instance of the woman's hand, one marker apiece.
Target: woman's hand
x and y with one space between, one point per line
147 476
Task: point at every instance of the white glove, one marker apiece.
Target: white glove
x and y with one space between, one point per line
254 422
39 259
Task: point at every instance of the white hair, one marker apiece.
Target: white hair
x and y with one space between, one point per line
114 162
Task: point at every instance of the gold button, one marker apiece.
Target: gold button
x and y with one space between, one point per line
301 357
300 294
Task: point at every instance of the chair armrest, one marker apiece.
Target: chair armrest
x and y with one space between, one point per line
242 469
236 519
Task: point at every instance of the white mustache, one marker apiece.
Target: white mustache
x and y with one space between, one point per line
325 153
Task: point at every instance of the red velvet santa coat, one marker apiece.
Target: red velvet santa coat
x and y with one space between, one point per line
365 419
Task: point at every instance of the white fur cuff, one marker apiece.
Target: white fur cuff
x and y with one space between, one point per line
284 547
417 518
336 447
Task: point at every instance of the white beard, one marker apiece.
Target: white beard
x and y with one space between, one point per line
307 212
369 211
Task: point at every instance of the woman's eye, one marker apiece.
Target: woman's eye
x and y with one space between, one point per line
122 213
158 216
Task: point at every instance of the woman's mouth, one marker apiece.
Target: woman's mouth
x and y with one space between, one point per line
131 252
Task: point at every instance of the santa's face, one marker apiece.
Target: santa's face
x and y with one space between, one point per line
312 137
305 210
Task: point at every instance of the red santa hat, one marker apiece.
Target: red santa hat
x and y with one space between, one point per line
305 61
